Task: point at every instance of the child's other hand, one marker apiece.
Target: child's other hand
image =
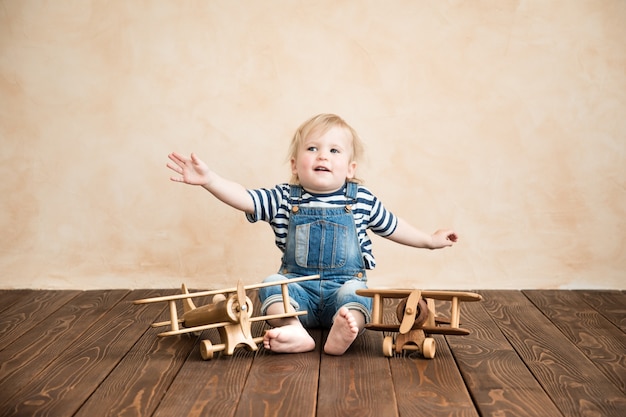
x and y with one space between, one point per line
191 170
443 238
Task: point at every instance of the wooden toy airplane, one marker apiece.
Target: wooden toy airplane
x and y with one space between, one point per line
230 313
416 314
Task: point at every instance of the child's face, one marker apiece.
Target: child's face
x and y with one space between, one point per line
324 162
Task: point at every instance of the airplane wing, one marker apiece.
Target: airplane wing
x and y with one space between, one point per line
435 295
221 324
395 328
224 291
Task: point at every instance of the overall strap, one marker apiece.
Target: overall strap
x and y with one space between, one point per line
352 189
295 193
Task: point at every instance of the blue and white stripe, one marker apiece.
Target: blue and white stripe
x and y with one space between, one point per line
273 206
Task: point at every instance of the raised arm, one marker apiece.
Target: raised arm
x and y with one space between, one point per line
193 171
410 236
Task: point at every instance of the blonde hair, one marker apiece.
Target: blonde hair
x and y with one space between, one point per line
321 124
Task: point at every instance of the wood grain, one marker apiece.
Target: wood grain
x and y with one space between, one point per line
30 354
10 297
430 387
138 383
497 378
596 337
28 311
611 304
94 353
214 387
575 385
207 388
427 387
358 383
71 378
282 384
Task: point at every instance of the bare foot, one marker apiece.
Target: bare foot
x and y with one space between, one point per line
292 338
343 332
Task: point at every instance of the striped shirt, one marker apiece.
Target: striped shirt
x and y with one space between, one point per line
273 206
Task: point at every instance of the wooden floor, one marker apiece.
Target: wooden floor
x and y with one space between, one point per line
531 353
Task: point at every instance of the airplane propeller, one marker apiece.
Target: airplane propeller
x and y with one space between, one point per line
242 310
410 311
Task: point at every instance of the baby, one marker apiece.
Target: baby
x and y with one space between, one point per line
320 221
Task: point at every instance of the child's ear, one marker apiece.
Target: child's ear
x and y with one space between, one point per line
293 166
351 170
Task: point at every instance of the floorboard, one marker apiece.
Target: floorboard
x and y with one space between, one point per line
207 388
431 387
277 386
611 304
536 352
138 383
575 385
595 336
26 312
497 378
10 297
358 383
62 387
35 350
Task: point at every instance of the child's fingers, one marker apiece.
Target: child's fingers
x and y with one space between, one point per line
179 159
174 168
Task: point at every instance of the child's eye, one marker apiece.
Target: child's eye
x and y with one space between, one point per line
311 149
334 150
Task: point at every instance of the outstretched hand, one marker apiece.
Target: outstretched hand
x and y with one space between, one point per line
190 170
443 238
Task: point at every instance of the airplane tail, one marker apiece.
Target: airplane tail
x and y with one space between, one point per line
188 305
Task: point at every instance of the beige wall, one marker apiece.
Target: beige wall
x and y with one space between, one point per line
503 119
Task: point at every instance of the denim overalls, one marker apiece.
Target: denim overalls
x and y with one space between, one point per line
321 241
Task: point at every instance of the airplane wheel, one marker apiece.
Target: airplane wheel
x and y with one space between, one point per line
388 346
428 348
206 350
